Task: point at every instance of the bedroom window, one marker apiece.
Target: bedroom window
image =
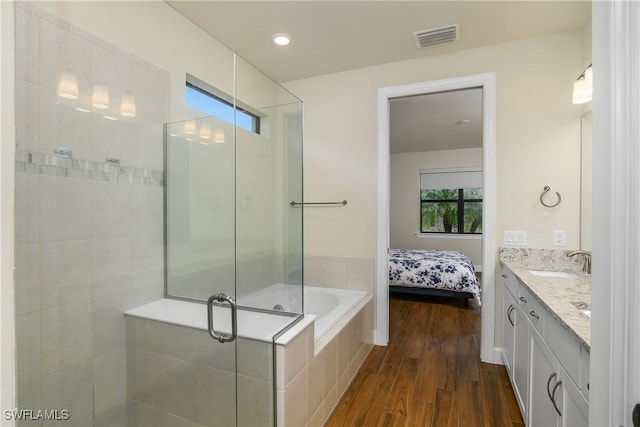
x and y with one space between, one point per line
451 201
209 100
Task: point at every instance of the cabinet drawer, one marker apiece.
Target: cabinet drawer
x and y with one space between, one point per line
565 347
510 281
535 312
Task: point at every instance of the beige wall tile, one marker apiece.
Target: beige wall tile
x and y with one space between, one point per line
330 365
70 388
27 277
216 394
294 357
66 336
315 384
336 273
109 380
28 347
255 404
360 275
27 218
295 400
66 272
64 209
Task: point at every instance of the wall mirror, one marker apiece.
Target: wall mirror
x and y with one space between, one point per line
586 183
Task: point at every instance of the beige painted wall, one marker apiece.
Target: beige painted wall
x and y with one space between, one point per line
537 133
404 214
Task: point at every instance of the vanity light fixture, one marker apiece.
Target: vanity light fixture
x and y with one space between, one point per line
68 86
583 87
100 97
281 39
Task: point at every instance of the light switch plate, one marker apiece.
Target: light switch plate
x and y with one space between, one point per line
515 238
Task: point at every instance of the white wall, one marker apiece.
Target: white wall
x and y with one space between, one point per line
404 191
538 140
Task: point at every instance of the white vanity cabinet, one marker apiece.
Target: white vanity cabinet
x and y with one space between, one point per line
555 398
548 368
544 377
508 329
515 348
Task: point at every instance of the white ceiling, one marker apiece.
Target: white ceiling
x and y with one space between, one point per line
435 121
334 36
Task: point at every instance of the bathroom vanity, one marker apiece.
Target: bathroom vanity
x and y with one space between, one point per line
546 324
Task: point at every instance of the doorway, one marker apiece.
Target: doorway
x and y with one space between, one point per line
485 81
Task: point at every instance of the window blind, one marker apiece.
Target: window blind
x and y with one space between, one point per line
436 179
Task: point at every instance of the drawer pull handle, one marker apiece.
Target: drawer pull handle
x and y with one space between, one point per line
523 299
534 314
553 397
551 377
504 276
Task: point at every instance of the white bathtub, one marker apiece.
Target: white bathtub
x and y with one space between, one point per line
326 306
329 305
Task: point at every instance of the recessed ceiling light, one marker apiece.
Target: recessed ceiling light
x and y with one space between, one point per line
281 39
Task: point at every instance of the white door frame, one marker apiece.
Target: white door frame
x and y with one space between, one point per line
7 193
487 82
615 325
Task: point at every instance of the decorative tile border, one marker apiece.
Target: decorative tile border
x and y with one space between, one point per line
52 165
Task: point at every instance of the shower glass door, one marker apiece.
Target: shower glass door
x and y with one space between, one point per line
231 233
200 255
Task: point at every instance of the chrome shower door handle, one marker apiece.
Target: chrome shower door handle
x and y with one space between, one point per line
219 336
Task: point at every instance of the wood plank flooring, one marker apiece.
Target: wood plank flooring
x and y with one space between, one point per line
430 374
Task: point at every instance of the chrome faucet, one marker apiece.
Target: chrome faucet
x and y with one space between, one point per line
586 267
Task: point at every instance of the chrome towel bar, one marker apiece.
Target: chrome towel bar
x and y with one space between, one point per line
342 203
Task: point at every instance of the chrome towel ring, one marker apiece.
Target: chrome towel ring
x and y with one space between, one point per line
545 191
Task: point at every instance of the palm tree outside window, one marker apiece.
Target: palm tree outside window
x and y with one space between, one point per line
451 201
451 211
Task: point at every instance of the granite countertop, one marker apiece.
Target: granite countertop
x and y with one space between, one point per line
555 294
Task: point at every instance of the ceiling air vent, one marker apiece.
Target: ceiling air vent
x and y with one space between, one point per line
448 33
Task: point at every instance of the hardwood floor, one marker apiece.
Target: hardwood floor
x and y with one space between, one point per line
430 374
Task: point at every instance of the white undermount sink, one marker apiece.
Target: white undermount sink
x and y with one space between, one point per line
556 274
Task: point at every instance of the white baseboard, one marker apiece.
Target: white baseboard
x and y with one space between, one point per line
496 358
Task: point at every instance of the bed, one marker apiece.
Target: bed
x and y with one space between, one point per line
426 272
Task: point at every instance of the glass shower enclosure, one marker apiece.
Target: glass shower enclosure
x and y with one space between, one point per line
154 175
233 239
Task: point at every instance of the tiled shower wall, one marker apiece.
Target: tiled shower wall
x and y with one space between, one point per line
88 231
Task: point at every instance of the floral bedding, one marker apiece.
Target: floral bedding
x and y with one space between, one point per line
447 270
